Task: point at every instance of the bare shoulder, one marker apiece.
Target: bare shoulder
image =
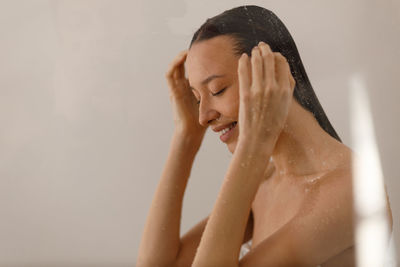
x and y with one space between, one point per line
321 229
325 219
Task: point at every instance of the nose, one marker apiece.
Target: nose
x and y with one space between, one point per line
206 113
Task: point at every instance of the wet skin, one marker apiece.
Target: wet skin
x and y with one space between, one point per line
309 166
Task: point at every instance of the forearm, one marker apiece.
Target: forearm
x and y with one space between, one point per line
161 235
223 235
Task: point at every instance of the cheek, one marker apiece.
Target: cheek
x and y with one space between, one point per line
235 101
230 104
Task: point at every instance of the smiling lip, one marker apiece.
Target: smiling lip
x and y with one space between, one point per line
220 128
225 137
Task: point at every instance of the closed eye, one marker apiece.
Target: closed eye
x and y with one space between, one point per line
198 102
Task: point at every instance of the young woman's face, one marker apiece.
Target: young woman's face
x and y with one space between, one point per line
219 97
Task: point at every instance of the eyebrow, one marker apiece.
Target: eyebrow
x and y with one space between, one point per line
209 79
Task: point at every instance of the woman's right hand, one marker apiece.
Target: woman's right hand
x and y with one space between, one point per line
185 108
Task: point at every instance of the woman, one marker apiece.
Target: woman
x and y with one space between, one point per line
288 190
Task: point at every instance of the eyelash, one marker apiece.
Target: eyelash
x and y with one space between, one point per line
220 92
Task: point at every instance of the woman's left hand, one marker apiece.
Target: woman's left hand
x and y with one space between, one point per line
266 89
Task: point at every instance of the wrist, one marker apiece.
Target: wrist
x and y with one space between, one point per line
256 148
187 141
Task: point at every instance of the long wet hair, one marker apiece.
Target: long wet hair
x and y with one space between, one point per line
249 25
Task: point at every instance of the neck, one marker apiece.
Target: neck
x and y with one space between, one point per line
304 148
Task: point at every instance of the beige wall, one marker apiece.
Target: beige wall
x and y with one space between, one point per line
86 120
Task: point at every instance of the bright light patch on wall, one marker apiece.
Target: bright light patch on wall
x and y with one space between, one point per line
371 223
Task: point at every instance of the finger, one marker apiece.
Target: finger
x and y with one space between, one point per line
269 63
244 75
175 62
256 70
181 66
178 72
170 80
282 70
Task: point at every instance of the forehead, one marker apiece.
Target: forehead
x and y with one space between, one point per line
210 57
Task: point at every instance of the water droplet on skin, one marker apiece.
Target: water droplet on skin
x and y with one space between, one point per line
254 109
314 179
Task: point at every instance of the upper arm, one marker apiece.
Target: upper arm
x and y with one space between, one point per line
322 229
191 240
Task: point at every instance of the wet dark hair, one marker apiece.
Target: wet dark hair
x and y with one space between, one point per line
249 25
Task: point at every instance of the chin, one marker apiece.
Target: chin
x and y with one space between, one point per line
232 146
